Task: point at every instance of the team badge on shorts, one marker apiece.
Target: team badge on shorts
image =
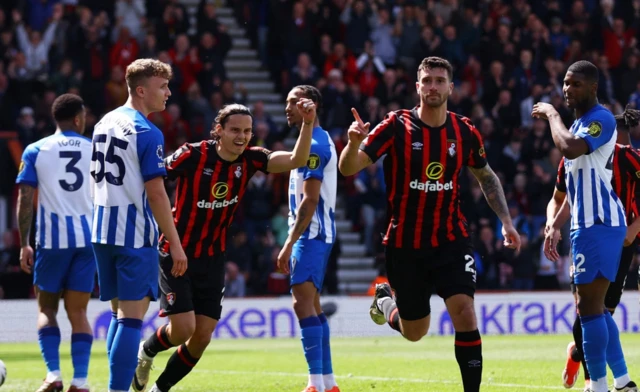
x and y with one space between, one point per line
171 298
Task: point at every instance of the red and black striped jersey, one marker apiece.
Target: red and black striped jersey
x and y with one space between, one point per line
208 192
421 170
625 178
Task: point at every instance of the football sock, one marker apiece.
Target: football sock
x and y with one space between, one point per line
468 350
578 354
80 354
327 367
49 339
595 334
311 331
111 332
390 311
615 356
157 342
123 358
179 365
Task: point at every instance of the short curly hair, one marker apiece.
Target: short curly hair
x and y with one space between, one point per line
142 69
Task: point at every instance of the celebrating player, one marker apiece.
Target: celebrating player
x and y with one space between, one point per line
64 260
129 195
598 224
625 180
312 231
212 177
426 149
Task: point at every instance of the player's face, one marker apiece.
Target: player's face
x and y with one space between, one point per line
434 87
236 134
156 93
291 110
578 91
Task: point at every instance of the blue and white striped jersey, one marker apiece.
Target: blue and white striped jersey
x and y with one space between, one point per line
322 165
588 177
128 150
58 166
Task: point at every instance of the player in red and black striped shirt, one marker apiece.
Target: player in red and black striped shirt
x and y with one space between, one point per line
625 181
427 242
212 177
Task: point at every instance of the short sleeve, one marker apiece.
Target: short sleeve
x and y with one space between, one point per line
318 159
561 184
150 144
380 139
184 159
27 172
477 156
259 158
597 130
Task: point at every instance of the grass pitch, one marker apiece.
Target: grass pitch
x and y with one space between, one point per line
511 363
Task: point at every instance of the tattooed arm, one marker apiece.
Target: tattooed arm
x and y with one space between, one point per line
311 191
25 217
492 189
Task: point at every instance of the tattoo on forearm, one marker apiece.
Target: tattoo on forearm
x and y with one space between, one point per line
25 212
299 226
492 189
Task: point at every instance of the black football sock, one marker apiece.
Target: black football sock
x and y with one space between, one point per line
157 342
178 366
468 347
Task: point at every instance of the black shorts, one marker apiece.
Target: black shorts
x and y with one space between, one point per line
616 288
200 289
415 274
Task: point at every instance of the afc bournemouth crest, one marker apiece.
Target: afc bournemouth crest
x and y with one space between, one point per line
452 148
238 171
171 298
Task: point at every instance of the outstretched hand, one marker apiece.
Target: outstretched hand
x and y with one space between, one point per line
358 130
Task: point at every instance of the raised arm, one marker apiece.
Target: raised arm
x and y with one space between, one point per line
363 144
571 146
282 161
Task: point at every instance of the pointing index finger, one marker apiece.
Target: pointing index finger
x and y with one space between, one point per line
357 116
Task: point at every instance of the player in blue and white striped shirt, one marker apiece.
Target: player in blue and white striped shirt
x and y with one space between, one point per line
128 170
598 224
312 232
58 166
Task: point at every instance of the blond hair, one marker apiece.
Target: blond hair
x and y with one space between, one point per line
142 69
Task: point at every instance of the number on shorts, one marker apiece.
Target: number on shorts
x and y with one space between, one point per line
580 260
469 267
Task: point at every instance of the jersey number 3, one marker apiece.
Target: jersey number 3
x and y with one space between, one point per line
71 168
110 157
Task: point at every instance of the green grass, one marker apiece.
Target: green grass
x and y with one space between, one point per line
511 363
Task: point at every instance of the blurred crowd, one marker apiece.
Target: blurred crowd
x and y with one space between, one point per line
507 55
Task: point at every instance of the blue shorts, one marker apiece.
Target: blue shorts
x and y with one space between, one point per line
308 262
64 269
126 273
596 252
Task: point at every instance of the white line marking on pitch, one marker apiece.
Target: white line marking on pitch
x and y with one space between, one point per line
372 378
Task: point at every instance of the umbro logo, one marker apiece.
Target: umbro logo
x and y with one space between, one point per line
417 145
207 171
474 363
